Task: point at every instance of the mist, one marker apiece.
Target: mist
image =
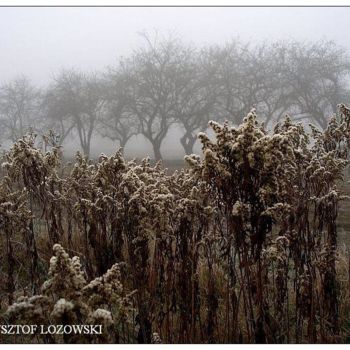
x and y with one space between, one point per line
38 43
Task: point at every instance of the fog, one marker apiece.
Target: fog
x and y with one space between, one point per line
39 42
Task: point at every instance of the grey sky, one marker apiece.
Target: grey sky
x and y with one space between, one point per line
37 42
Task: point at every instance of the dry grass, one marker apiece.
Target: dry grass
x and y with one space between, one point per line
239 247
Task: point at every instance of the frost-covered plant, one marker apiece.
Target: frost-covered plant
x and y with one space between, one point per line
241 246
27 167
14 221
280 185
67 299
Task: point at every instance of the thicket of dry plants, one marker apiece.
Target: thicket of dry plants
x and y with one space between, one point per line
240 246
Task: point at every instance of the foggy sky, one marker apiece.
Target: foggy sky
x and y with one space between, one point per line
38 42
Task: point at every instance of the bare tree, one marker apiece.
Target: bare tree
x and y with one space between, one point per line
58 114
196 96
273 95
317 76
166 82
76 102
307 80
234 79
153 73
118 122
19 108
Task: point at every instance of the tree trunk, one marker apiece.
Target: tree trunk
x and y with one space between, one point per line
86 150
122 144
156 150
187 142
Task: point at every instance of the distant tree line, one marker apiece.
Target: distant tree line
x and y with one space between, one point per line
167 82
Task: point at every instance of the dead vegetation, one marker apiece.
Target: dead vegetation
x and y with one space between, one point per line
238 247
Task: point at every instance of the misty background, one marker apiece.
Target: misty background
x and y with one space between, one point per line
46 47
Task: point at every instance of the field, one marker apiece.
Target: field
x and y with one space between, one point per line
247 243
